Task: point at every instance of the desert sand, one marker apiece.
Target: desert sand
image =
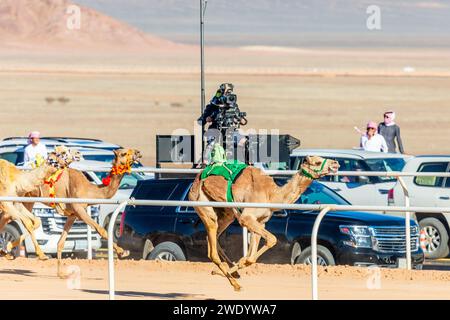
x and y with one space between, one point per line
32 279
128 100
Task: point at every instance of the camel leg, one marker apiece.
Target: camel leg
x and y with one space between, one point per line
253 248
250 222
83 216
31 223
223 224
4 220
19 212
209 218
67 226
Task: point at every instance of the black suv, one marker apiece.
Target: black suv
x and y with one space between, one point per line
350 238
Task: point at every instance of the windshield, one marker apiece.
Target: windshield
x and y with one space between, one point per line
129 181
99 157
386 165
316 193
319 194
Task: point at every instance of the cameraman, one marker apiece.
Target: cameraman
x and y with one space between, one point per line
209 116
212 109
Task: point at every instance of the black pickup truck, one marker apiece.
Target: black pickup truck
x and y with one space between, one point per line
349 238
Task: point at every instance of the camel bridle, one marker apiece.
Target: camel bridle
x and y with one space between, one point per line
119 169
317 173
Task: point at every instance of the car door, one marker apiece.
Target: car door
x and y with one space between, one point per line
356 190
443 194
430 191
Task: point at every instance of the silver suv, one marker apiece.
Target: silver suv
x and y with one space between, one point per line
357 190
428 192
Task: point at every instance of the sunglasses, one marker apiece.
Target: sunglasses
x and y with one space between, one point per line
371 129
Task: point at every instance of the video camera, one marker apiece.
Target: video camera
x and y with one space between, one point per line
229 114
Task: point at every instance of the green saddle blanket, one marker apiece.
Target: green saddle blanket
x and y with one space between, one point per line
228 170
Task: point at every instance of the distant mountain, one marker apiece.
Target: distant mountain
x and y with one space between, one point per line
286 22
43 24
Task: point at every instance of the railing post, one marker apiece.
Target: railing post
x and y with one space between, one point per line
407 223
110 249
315 231
245 241
89 235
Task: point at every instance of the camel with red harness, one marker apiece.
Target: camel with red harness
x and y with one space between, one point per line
71 183
17 183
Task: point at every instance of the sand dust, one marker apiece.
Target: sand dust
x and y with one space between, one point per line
33 279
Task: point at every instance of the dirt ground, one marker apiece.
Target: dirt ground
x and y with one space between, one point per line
32 279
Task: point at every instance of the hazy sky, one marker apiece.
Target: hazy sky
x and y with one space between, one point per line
287 22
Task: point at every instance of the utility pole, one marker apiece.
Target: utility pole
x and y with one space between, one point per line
203 4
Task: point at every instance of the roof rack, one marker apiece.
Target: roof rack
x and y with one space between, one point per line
56 138
72 138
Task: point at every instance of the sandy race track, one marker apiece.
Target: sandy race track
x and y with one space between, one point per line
32 279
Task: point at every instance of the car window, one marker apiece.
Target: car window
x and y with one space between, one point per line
431 167
350 165
295 163
386 165
10 156
186 198
319 194
154 191
99 157
447 183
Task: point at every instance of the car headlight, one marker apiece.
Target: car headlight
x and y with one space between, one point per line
360 236
44 212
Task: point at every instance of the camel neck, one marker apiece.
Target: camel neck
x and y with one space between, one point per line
33 178
110 190
291 191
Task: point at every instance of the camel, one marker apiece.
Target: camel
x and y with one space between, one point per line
16 183
74 184
252 185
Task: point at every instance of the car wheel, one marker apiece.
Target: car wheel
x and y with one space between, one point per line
324 257
436 243
167 251
9 233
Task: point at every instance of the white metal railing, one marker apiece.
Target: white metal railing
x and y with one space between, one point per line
322 208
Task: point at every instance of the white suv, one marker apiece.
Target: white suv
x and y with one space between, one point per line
428 192
357 190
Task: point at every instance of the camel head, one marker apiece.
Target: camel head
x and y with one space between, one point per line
126 157
62 157
316 167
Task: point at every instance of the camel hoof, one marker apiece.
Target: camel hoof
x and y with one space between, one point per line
237 288
124 254
42 257
10 256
